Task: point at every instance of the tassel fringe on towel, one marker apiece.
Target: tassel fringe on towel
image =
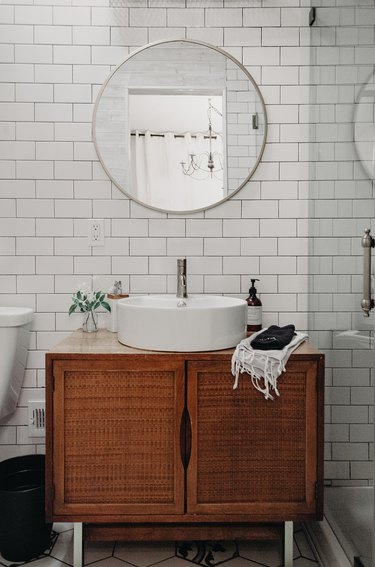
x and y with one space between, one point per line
264 367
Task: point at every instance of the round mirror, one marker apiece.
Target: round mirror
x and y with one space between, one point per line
180 126
364 126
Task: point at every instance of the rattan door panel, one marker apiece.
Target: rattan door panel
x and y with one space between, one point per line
116 437
251 455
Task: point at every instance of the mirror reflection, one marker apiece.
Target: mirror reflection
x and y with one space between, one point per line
176 153
364 126
179 126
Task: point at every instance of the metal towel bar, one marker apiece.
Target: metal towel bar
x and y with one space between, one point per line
367 302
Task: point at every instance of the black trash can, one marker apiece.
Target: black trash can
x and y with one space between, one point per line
24 533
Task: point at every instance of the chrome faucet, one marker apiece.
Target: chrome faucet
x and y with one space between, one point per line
181 278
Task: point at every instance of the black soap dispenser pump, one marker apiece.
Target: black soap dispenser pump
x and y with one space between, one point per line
254 309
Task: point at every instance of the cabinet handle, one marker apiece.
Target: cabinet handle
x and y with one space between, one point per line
185 438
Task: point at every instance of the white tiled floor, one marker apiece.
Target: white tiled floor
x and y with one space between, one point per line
120 554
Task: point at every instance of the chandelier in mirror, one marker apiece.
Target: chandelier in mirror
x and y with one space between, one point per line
209 163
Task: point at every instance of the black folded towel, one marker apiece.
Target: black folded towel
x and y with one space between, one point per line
274 338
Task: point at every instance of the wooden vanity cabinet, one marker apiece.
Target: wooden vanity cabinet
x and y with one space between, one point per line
251 455
116 437
147 440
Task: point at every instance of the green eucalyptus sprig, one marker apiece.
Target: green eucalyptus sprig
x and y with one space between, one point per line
86 300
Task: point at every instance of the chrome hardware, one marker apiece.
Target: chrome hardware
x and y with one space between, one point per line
181 278
367 243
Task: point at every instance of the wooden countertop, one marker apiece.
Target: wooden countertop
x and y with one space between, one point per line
104 342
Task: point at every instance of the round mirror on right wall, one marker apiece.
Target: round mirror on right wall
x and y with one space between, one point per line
364 126
180 126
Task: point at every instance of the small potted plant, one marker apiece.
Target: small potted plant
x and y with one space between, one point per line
87 301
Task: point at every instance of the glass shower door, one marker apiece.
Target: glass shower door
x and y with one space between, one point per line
342 206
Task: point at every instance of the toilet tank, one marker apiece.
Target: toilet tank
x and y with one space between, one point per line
15 324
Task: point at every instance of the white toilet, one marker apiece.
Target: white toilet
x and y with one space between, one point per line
15 324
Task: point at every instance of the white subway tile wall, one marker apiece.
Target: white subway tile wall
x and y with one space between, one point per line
296 225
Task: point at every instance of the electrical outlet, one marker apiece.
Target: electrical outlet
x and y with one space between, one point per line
37 418
96 232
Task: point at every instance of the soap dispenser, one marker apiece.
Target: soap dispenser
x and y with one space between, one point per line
254 309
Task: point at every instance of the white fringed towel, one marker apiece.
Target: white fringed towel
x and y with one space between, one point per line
264 366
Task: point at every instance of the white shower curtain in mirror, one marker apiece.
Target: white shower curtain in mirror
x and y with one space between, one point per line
157 172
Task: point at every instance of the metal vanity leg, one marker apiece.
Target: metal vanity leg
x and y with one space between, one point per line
288 544
78 544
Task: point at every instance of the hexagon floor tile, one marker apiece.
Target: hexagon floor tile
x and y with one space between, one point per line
168 554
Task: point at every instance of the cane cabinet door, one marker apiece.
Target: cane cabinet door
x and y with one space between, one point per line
116 437
250 455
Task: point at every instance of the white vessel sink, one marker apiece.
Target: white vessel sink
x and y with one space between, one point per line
207 322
